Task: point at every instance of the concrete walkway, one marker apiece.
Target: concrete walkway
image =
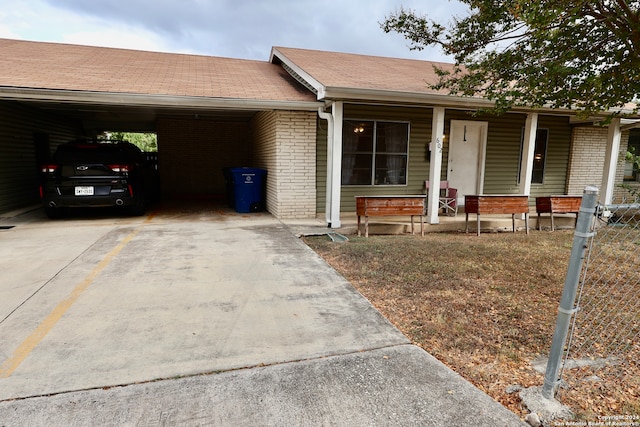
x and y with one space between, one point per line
201 316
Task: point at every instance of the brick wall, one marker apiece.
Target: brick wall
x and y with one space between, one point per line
263 126
285 144
586 163
192 153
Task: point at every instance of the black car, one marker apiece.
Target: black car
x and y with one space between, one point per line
98 174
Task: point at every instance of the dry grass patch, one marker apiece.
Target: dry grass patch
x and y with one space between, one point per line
485 306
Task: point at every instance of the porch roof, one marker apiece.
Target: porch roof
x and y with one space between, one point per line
346 76
335 75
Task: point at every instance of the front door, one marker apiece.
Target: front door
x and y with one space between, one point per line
467 145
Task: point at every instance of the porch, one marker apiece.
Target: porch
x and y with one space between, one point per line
387 225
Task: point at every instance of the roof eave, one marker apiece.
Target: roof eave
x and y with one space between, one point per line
147 100
431 99
277 56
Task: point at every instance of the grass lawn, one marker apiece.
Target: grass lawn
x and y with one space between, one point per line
485 306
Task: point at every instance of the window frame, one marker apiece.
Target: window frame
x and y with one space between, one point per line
635 173
535 151
375 155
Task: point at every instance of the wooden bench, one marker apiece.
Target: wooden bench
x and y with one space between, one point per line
390 206
557 204
496 204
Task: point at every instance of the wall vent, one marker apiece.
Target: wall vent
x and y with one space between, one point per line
298 78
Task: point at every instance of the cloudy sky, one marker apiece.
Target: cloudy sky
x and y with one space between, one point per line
230 28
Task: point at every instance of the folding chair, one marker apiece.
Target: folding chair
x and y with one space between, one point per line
448 199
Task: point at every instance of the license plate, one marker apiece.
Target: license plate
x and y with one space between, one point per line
84 191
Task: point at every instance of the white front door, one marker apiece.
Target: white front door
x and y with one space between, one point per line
467 145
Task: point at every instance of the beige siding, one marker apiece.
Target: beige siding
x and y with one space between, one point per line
19 178
419 120
558 152
502 155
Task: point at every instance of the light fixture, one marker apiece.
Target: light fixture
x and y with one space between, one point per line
358 129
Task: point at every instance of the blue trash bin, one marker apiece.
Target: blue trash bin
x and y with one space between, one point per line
248 186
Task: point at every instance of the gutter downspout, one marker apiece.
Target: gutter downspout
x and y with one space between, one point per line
328 202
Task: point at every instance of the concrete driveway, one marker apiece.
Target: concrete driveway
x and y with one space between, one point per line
196 315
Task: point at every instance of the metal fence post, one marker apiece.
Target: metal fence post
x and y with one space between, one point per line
567 302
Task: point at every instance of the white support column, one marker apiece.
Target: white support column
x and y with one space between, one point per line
329 118
335 166
610 162
435 168
528 150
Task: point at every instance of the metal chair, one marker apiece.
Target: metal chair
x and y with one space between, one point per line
448 199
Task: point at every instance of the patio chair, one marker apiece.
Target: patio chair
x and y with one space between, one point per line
448 200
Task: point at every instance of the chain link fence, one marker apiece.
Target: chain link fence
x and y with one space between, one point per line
602 352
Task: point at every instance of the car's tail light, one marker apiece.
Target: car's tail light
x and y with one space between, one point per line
49 168
130 190
119 168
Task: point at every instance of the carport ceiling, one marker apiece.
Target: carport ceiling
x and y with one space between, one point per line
104 117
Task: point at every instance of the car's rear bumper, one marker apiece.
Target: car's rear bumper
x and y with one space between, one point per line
89 201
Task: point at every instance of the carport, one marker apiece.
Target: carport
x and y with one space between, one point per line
209 113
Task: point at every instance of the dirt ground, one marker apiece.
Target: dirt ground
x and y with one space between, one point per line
485 306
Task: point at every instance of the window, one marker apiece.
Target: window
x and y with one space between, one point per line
374 152
631 167
539 156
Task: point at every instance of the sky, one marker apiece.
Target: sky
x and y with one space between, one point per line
244 29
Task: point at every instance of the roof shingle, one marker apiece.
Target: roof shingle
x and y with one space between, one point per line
41 65
345 70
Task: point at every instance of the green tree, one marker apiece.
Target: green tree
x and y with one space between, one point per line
581 54
145 141
634 158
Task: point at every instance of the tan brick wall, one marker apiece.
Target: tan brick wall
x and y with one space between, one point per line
263 127
285 144
586 163
192 153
